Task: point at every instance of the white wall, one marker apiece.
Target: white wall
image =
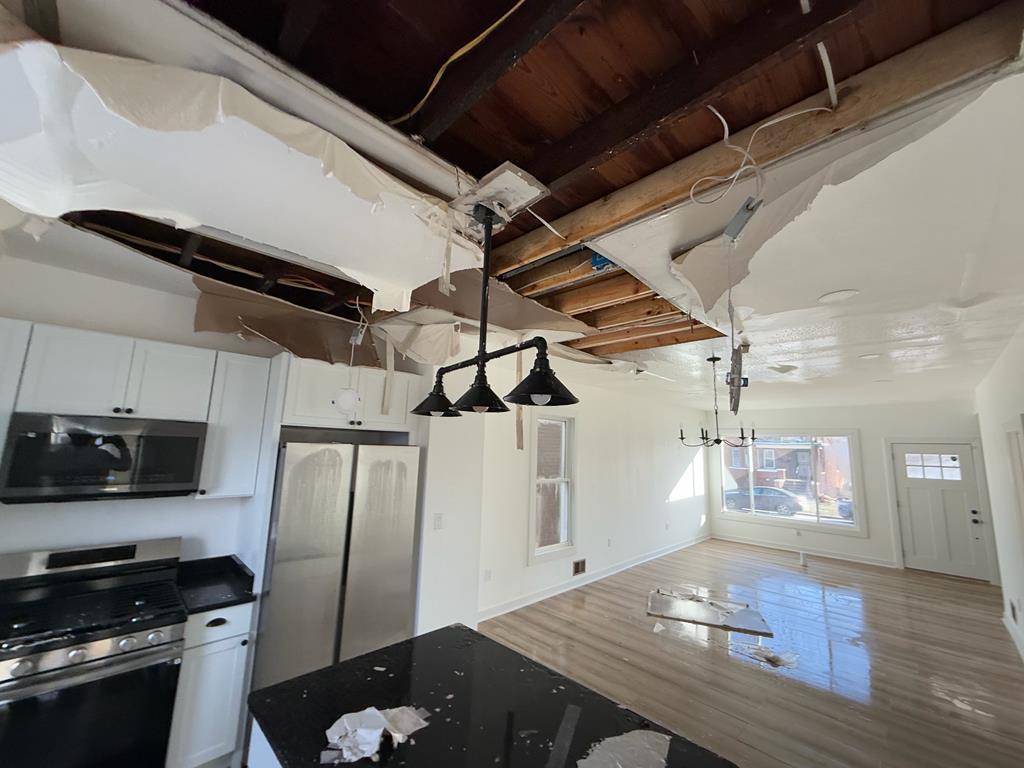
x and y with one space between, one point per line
999 400
638 492
924 422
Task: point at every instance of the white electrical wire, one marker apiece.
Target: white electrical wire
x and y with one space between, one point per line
748 164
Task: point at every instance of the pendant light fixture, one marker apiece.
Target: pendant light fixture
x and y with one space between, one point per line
706 440
540 387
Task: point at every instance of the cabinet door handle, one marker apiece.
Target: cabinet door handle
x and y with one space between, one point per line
129 410
218 622
117 410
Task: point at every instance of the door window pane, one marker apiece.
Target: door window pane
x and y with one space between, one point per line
915 473
951 473
932 473
913 459
930 459
950 459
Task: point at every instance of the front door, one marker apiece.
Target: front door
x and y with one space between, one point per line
941 521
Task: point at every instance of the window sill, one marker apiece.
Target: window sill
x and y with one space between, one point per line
782 522
551 553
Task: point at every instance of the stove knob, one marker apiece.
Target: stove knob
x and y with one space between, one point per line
127 643
156 637
22 668
77 655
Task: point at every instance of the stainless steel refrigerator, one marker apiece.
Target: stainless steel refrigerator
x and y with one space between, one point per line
340 578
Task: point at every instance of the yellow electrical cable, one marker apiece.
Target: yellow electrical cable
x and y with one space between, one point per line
453 58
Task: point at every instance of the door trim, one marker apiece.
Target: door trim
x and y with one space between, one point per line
980 478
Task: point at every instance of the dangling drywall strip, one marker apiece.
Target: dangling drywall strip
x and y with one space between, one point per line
90 131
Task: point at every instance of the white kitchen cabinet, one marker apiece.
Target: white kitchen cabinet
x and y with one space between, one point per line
208 703
323 395
169 381
75 372
13 345
235 425
372 413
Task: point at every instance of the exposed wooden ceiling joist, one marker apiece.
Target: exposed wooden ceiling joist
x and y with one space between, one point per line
981 45
685 336
600 293
556 274
636 332
630 313
469 78
774 33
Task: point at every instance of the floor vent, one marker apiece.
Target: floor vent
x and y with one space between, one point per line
578 567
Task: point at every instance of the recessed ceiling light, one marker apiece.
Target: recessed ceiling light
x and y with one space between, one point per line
870 356
836 296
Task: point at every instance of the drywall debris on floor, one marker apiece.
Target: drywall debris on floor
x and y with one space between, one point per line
692 608
636 749
357 735
766 655
92 131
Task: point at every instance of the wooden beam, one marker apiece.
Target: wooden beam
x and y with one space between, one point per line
631 313
600 293
633 333
700 333
769 36
985 45
555 274
469 78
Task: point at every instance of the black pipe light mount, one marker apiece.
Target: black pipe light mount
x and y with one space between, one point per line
540 387
706 440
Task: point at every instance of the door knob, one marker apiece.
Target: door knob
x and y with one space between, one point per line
976 521
974 511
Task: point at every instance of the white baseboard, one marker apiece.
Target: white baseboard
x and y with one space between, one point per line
565 586
817 552
1016 634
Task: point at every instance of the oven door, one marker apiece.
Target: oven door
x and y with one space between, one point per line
107 713
52 457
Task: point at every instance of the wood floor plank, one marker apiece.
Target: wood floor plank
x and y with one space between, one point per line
895 669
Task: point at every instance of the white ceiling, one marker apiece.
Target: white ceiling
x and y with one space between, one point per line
931 236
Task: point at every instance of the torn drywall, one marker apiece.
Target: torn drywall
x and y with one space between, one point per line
92 131
636 749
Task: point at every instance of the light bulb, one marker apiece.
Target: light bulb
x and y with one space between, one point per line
437 413
540 399
480 408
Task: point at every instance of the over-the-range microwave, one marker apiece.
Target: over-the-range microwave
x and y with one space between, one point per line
56 457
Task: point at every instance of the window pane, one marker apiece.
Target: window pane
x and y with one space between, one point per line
552 514
930 459
913 459
550 448
951 460
932 473
951 473
736 482
915 473
835 480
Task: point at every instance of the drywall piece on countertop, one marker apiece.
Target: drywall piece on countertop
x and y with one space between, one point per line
636 749
91 131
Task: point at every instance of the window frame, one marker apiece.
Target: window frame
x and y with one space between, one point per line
859 528
537 554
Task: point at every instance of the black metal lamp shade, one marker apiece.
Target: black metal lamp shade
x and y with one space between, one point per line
480 398
541 387
436 404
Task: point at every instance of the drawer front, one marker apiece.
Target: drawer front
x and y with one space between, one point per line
210 626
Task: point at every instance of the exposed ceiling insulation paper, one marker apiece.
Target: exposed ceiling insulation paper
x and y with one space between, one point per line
657 250
223 308
506 308
429 343
101 132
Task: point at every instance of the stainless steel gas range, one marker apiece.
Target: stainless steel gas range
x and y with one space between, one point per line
90 649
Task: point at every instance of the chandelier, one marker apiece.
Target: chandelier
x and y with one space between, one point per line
706 440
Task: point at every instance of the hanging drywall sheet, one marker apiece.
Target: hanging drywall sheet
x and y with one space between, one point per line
506 308
224 308
428 343
93 131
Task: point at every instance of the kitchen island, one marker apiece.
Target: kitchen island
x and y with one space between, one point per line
487 705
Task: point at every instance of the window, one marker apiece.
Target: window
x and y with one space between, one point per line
552 510
932 466
803 478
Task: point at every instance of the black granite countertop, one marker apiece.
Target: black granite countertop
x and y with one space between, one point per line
214 582
489 706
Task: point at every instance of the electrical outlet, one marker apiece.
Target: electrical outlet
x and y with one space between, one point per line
438 521
798 533
666 525
487 574
609 542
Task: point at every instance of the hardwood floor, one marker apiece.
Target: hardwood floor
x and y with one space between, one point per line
894 668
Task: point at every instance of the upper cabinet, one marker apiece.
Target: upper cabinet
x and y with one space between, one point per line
235 426
75 372
87 373
324 395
